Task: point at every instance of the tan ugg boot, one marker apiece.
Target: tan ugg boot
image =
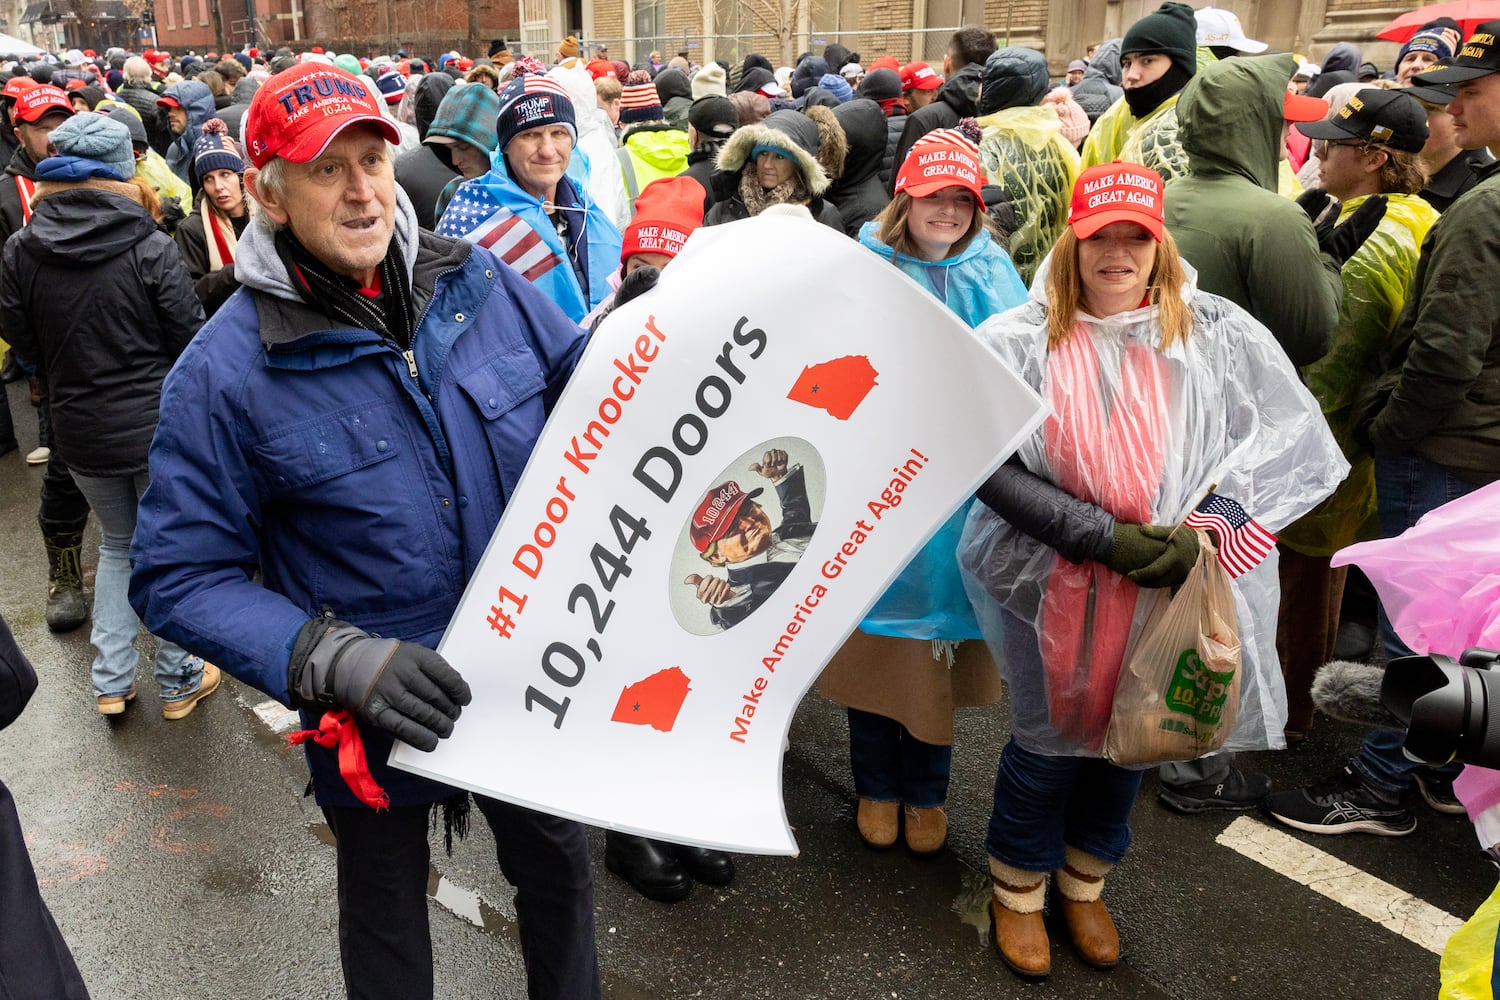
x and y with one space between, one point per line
1079 885
879 823
1019 932
926 829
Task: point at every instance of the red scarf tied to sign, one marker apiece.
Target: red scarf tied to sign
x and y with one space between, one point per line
1104 444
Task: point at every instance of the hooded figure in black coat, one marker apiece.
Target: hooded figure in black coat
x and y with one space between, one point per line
798 139
807 74
859 194
420 172
957 99
35 963
1100 87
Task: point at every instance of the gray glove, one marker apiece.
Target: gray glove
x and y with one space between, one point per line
400 687
1134 548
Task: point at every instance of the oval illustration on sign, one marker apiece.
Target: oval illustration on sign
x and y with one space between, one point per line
747 531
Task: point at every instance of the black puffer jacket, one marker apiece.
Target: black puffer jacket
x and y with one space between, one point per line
894 126
12 215
957 99
421 173
858 193
100 298
143 98
1100 86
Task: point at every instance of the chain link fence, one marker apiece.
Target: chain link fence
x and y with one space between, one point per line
928 45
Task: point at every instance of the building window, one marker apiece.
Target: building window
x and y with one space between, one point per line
650 26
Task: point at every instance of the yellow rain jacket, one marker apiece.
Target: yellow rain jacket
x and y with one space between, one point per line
1023 152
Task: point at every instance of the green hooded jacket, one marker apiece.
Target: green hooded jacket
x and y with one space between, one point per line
1248 243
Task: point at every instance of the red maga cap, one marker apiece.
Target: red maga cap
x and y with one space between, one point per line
941 159
716 513
1301 108
299 111
18 85
41 100
920 76
1116 192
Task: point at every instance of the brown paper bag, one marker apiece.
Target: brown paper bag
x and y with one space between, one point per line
1179 691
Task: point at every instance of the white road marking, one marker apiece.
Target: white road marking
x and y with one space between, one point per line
276 716
1390 907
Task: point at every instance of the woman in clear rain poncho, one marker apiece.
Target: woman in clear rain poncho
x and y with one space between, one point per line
1158 392
908 666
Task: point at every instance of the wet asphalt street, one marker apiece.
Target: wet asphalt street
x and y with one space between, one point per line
181 861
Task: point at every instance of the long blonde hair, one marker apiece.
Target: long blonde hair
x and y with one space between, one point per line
895 232
1164 291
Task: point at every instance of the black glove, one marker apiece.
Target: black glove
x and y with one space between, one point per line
1177 560
1134 549
172 214
400 687
1343 241
636 283
1316 202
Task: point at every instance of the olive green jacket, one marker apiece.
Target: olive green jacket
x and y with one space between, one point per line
1248 243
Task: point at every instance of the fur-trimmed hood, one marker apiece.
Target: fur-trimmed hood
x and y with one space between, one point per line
833 144
787 130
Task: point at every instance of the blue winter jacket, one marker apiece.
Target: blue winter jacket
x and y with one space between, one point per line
927 601
198 101
591 234
361 482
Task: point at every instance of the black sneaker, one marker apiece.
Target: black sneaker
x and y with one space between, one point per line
1437 791
1236 793
1342 804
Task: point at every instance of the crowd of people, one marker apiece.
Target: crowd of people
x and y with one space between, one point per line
344 292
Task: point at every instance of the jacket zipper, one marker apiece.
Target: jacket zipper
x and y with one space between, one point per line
411 362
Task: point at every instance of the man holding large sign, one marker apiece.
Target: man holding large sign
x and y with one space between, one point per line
350 424
725 488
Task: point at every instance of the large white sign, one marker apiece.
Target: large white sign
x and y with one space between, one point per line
742 461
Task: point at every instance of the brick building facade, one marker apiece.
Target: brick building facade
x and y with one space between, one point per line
729 29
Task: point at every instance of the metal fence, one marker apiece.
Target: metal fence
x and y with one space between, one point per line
928 45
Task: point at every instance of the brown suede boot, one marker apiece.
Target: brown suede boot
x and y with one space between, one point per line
926 830
1019 931
1079 885
879 823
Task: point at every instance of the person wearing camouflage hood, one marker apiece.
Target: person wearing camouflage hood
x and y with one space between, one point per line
1024 153
1158 56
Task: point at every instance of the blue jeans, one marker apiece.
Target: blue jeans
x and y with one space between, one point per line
114 501
892 765
1044 803
1406 487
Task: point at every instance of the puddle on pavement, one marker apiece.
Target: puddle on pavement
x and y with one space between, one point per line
972 904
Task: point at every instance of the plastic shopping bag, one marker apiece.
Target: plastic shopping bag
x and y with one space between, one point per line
1179 691
1468 964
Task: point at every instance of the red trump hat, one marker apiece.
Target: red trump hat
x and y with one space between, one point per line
666 213
943 158
1116 192
716 514
299 111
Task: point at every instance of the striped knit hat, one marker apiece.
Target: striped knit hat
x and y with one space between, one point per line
214 150
531 101
944 158
639 101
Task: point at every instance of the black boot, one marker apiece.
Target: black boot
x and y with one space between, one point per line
707 866
647 865
66 606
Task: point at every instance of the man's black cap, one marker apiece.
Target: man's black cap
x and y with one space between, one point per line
1392 118
1434 93
1479 56
714 117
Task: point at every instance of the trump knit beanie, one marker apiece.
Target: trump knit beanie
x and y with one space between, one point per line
1440 37
97 137
639 101
1172 30
214 150
531 101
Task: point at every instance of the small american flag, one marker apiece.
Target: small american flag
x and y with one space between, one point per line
476 215
1243 544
